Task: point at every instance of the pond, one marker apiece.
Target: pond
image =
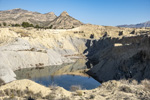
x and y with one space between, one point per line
66 75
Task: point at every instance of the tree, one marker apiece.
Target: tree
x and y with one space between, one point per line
31 25
17 25
51 27
26 24
4 24
37 26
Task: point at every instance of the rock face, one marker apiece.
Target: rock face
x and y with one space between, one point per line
145 24
116 59
65 21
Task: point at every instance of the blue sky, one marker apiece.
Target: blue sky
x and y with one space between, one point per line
100 12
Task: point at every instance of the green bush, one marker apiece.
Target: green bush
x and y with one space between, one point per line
37 26
15 25
4 24
50 27
26 24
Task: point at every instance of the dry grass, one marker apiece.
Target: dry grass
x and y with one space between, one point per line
1 82
25 34
146 84
125 89
79 92
53 86
75 87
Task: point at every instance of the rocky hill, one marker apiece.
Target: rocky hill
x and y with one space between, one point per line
65 21
140 25
18 16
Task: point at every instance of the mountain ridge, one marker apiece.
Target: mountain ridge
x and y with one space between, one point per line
18 16
139 25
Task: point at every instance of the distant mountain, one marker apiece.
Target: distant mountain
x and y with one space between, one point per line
145 24
17 16
65 21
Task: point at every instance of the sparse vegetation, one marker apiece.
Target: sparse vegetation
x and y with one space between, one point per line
1 82
146 84
37 26
75 87
130 91
125 89
15 25
4 24
24 34
79 92
92 96
51 27
26 24
53 86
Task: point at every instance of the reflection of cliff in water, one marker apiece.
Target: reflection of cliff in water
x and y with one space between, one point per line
71 68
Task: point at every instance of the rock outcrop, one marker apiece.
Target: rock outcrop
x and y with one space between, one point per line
116 59
65 21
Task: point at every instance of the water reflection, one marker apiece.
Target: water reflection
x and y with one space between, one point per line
64 75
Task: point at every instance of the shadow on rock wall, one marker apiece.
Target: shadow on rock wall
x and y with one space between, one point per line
115 59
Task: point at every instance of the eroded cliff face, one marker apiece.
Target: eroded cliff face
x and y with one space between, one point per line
124 58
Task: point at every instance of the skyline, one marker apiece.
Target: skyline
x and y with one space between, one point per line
99 12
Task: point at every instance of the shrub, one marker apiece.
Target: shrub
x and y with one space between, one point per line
26 24
146 84
37 26
4 24
75 87
92 96
125 89
79 92
51 27
53 86
24 34
1 82
2 93
17 25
